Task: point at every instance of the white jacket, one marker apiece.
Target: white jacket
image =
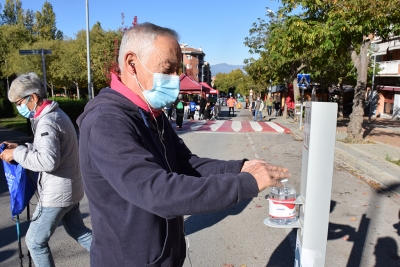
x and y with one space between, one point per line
54 153
261 105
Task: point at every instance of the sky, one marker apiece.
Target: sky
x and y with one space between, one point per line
219 27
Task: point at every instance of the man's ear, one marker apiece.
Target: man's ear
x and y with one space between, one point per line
129 62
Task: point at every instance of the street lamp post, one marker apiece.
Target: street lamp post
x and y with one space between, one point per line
88 51
374 48
202 73
38 52
8 86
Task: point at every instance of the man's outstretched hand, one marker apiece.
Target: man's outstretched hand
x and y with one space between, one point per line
266 174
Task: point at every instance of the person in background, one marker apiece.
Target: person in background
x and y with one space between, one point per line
253 108
53 153
269 104
192 109
180 111
170 109
277 105
140 177
259 106
202 106
231 104
208 109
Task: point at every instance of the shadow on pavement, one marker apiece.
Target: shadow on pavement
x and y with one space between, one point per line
199 222
284 253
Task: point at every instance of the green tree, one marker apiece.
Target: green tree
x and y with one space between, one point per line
351 25
12 12
45 25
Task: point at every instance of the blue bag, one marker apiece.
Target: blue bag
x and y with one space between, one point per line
21 184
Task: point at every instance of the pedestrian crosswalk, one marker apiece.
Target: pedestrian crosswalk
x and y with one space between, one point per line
232 126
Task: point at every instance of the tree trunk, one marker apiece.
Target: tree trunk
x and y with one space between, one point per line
340 103
296 90
354 128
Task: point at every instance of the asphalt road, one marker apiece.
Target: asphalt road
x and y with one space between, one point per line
364 224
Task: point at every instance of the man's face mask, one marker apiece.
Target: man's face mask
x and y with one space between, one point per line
164 92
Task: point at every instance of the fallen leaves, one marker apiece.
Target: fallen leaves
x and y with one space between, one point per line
353 219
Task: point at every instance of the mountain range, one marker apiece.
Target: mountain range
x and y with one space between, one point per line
224 68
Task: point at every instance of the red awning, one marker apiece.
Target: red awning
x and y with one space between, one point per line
188 85
388 88
212 90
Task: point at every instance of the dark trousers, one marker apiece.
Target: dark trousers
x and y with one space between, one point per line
191 115
233 111
179 120
269 110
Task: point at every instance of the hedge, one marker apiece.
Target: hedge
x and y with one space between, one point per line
7 109
72 107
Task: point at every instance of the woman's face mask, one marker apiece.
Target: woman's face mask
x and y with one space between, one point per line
24 110
164 92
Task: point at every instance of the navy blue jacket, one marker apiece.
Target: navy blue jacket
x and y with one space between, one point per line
138 191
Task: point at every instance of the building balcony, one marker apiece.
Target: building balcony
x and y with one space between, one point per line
388 68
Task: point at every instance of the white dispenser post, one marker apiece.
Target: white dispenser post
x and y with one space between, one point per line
319 137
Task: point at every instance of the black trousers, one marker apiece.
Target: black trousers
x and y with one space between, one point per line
233 111
179 120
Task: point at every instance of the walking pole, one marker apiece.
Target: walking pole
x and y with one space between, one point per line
20 255
28 215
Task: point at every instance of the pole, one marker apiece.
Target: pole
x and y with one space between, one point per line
8 86
301 107
44 71
88 50
371 92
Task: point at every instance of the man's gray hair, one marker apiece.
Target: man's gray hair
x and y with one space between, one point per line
26 84
140 40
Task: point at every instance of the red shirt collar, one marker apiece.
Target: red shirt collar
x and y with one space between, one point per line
40 109
121 88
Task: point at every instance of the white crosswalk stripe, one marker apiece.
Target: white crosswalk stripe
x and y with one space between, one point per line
236 125
256 126
275 127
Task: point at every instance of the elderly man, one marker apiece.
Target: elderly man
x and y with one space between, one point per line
53 153
140 178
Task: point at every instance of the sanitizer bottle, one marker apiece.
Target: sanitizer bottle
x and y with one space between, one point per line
282 208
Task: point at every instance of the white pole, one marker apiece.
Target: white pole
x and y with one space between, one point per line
88 50
319 140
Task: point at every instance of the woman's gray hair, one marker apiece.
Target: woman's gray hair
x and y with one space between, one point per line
26 84
140 40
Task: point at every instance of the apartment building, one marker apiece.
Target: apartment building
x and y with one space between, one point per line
386 57
195 65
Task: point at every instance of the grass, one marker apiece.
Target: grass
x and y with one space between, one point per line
17 123
397 162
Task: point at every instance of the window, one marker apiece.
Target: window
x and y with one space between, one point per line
188 56
197 66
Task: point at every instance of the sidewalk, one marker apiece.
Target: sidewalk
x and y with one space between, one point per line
367 161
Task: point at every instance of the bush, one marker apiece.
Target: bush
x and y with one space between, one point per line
72 107
7 109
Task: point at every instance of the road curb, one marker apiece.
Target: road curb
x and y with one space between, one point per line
370 172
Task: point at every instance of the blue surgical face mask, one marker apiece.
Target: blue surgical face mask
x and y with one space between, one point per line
24 110
164 92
